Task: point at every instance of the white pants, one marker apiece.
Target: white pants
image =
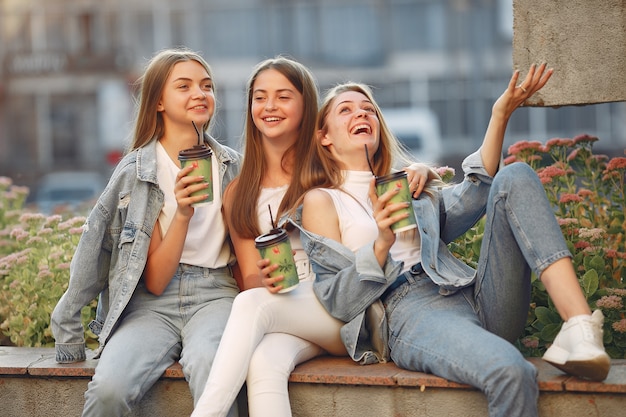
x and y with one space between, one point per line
265 337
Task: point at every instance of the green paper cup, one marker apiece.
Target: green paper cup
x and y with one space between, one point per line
398 180
276 247
200 157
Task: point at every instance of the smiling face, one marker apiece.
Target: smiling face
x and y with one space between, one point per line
277 107
351 124
187 96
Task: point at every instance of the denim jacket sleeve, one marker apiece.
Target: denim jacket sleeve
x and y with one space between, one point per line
87 280
465 202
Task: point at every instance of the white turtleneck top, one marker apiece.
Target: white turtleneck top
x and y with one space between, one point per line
356 220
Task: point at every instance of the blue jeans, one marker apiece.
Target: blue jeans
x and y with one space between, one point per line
465 337
185 323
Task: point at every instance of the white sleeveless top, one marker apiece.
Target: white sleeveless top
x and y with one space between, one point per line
205 244
272 197
356 220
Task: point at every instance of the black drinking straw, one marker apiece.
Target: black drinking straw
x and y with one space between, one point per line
367 156
271 217
197 132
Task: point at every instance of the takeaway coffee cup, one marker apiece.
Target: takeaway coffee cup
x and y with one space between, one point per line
398 180
276 247
200 157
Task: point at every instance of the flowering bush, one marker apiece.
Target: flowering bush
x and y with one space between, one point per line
35 254
587 194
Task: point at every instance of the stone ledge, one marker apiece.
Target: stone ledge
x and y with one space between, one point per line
322 387
321 370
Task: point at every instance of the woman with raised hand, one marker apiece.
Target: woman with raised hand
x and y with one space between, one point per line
441 316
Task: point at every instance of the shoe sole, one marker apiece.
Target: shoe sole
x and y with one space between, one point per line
595 369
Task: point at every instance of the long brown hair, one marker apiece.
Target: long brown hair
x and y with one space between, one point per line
247 187
148 121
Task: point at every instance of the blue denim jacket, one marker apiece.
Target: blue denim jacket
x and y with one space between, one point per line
350 284
112 252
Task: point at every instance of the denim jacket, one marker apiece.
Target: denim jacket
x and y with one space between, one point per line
350 284
112 252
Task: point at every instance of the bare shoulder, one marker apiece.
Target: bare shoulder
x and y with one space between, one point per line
316 198
319 214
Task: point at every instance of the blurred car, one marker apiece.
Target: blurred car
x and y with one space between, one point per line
68 190
418 130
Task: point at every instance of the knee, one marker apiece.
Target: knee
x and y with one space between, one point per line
515 173
265 364
108 394
516 176
249 301
514 375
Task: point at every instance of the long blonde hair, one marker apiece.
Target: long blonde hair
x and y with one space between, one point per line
390 155
148 121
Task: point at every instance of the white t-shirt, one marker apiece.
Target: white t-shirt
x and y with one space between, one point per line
356 219
205 244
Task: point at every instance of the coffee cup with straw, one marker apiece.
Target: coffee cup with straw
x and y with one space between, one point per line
397 180
200 158
276 246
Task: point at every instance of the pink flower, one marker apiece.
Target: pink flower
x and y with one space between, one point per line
619 326
510 159
520 146
558 142
76 231
5 182
581 245
551 172
573 155
616 164
446 173
569 221
570 198
530 342
44 273
591 234
610 302
584 138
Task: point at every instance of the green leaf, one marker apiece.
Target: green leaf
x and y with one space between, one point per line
549 332
590 283
547 316
597 263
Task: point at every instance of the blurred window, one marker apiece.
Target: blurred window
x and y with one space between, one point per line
357 40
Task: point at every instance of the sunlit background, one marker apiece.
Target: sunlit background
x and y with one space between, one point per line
68 67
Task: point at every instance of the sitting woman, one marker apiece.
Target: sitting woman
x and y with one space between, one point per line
441 316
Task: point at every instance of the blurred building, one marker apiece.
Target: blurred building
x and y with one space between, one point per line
68 67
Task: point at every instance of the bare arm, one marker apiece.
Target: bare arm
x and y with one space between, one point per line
246 253
513 97
165 251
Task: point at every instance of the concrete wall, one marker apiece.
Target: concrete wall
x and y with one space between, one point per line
583 40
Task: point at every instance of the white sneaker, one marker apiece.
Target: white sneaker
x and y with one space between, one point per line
578 348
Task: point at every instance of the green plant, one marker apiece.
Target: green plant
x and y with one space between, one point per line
587 194
34 271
